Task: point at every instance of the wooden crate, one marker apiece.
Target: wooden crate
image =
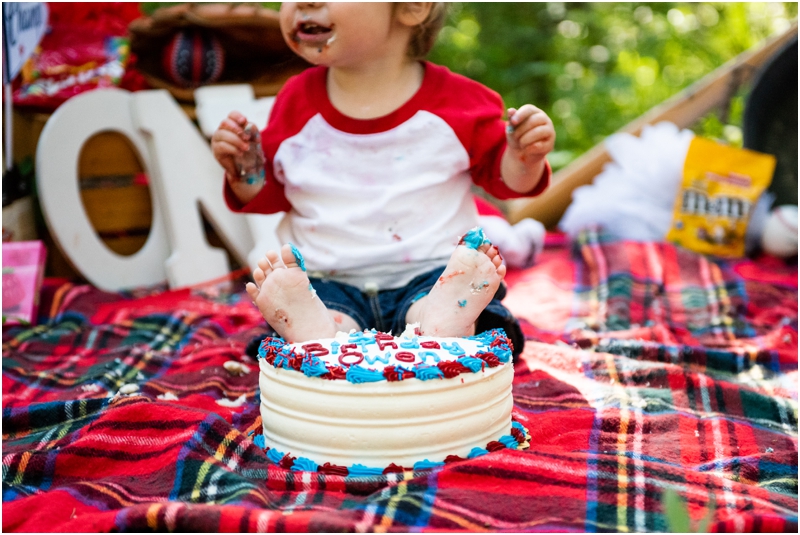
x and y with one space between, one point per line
113 186
115 192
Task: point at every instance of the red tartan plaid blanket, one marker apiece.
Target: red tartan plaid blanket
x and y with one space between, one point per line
647 369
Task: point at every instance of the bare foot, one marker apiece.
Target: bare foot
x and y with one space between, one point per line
284 296
466 286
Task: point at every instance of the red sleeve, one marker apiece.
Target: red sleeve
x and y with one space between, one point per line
291 111
475 113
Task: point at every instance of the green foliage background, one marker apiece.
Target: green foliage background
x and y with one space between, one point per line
595 66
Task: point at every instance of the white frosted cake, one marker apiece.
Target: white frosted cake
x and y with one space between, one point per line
366 403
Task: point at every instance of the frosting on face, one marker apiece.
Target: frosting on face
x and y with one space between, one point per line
371 356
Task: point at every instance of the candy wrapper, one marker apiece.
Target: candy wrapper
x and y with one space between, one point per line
632 198
719 191
639 195
86 48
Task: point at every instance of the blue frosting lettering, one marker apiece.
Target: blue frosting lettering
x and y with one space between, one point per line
361 470
476 452
425 355
377 358
475 238
357 374
275 456
453 348
426 464
362 339
474 364
301 464
335 348
411 344
298 257
425 373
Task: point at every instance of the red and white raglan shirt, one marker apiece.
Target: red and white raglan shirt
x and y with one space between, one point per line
377 202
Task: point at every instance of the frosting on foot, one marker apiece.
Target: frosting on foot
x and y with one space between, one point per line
286 299
466 286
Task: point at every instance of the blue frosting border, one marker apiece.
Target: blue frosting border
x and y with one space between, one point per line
303 464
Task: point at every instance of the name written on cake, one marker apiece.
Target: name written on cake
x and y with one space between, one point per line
369 356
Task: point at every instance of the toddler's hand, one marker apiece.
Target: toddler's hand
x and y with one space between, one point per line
228 142
530 134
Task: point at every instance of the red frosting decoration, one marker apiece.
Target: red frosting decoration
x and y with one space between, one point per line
430 344
495 445
405 356
453 459
347 351
385 340
451 368
391 373
335 372
315 350
499 341
333 470
490 359
287 462
393 469
516 433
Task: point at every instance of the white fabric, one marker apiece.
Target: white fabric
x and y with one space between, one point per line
520 244
384 196
633 197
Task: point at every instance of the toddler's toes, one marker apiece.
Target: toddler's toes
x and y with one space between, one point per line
274 259
497 260
291 256
252 290
264 265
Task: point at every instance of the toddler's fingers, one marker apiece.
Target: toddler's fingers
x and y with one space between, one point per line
229 125
227 138
538 139
238 118
226 154
523 113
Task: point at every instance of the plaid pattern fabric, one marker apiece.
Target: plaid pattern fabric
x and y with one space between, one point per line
647 368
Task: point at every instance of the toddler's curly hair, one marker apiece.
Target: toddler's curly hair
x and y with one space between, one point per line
424 35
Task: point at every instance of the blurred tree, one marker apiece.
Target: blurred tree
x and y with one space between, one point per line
595 66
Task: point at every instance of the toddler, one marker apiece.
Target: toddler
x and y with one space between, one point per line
372 154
